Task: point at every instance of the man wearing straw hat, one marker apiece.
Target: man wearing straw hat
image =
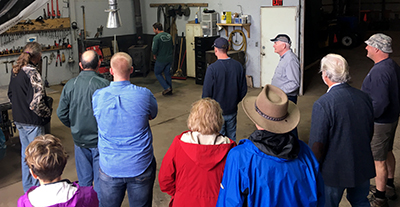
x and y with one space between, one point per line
342 125
272 167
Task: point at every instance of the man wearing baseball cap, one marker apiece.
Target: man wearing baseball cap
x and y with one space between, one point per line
272 167
287 73
382 84
225 82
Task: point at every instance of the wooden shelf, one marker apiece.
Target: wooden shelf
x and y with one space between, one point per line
245 26
43 50
36 27
183 4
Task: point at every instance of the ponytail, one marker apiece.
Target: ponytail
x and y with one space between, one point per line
31 50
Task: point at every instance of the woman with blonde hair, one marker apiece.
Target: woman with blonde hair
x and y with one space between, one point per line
28 98
192 169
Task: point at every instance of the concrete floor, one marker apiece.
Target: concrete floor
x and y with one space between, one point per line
171 121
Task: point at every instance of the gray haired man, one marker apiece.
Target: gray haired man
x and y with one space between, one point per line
382 84
287 73
342 125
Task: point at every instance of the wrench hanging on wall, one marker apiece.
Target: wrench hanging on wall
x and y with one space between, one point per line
58 10
53 13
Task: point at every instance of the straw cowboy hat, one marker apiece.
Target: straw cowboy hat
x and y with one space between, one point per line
272 111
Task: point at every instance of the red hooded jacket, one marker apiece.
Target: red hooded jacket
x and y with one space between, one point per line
192 173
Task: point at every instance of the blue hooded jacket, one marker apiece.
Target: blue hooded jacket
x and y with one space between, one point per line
254 178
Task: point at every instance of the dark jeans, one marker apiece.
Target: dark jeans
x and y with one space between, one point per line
140 188
229 127
357 196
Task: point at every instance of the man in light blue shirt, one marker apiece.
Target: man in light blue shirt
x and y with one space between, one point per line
287 73
123 111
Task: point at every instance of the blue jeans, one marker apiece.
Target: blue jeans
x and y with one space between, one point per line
27 134
159 68
87 166
229 127
357 196
140 188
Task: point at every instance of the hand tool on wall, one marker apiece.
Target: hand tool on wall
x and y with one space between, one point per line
44 14
68 45
58 10
52 56
58 59
12 63
84 22
70 59
46 83
48 11
6 63
62 58
53 13
74 26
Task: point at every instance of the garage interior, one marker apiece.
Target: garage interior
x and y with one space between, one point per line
329 26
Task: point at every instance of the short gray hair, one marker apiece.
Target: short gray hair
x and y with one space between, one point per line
335 68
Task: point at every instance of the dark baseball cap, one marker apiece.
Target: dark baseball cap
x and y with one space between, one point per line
282 38
221 43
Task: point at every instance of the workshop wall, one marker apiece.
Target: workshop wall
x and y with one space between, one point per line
149 17
95 17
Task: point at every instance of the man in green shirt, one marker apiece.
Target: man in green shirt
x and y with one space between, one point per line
75 111
162 49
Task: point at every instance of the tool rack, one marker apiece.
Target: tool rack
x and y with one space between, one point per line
49 25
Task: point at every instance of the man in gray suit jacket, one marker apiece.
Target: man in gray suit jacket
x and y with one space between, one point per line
341 131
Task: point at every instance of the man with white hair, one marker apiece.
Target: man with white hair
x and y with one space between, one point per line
287 73
383 85
342 125
127 162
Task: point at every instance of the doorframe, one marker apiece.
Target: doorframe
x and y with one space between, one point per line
299 40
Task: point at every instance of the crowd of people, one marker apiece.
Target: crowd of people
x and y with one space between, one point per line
351 136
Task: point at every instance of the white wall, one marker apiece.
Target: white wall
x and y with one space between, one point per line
94 15
252 7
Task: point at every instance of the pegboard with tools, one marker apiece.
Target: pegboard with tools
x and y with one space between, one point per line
38 26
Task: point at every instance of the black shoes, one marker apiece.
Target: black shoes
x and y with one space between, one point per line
167 91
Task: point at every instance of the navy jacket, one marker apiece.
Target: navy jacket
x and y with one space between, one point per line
342 126
383 85
225 81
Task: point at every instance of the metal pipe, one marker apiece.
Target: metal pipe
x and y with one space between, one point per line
138 17
114 20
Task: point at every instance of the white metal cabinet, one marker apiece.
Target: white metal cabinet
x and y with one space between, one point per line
192 30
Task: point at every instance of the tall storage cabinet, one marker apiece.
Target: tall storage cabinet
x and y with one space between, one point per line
202 44
192 30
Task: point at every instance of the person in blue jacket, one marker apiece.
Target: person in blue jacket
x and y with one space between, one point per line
272 167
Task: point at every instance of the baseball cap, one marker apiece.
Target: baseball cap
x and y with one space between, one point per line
381 42
282 38
221 42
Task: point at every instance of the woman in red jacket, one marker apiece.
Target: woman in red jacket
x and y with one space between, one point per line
192 169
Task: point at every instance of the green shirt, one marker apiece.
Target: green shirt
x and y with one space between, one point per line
75 107
163 47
